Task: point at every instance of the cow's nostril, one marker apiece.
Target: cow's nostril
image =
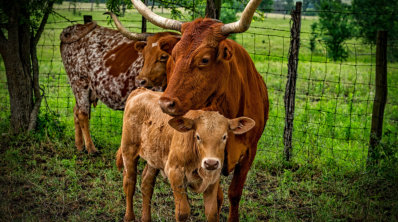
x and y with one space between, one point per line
142 82
171 104
211 164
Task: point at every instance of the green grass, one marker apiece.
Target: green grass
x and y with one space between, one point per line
43 177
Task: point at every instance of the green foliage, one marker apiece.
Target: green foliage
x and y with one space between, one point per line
333 28
265 6
49 125
114 5
371 16
33 9
193 8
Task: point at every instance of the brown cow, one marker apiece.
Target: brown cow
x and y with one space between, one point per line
208 71
153 73
102 64
190 156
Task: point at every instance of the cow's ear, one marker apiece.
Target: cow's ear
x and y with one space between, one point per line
139 46
224 51
182 124
167 43
241 125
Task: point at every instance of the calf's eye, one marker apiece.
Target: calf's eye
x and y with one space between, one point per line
205 61
197 137
224 137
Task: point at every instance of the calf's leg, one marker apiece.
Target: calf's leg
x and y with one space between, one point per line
129 181
182 209
220 198
210 197
147 185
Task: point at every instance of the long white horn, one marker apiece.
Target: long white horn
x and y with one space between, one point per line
127 33
156 19
244 22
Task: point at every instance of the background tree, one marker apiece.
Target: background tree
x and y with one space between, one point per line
266 5
22 23
333 27
371 16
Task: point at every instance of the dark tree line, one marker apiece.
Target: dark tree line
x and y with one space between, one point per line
361 19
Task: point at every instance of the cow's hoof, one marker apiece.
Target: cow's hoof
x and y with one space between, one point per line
183 217
91 149
145 219
94 153
128 218
80 148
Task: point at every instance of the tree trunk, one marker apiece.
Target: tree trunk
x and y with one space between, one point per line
16 54
20 89
213 9
18 50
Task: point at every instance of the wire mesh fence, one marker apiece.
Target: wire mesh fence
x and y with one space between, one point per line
333 99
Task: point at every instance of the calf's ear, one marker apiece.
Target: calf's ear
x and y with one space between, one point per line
182 124
167 43
139 46
241 125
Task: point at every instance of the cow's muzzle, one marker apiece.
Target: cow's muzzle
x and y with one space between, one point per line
210 164
171 106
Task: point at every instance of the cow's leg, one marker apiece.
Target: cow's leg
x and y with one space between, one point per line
182 209
210 197
78 131
129 180
84 123
238 181
147 185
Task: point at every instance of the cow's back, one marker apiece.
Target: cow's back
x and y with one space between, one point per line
102 60
147 126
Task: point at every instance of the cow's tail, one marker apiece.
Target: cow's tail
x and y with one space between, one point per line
119 159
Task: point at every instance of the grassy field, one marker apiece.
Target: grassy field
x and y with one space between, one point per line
43 177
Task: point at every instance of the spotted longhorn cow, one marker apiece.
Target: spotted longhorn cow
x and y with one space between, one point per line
102 64
210 72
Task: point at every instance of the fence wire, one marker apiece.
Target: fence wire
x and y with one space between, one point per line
333 99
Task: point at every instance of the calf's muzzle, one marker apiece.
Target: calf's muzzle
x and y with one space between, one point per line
211 164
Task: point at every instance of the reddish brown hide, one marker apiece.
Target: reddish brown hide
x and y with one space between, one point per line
208 71
153 73
101 64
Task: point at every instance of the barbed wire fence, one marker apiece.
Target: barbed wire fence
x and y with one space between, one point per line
333 100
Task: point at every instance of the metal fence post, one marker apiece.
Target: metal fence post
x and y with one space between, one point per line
87 18
380 97
290 91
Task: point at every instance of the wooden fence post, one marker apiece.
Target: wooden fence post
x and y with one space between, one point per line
290 91
380 99
143 21
87 18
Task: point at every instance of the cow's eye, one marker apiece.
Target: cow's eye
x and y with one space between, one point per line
164 57
197 137
224 137
205 61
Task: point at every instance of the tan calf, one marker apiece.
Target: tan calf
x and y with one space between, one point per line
189 150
